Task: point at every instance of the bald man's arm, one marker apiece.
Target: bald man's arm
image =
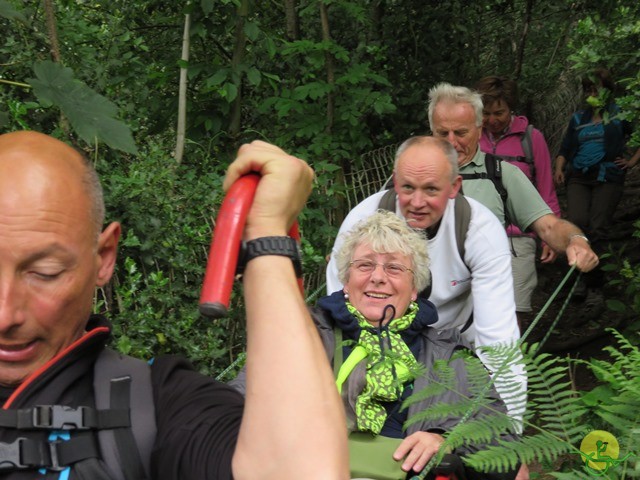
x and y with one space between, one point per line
293 424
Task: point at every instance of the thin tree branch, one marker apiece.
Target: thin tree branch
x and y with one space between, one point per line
182 91
17 84
293 22
54 46
523 40
326 37
238 56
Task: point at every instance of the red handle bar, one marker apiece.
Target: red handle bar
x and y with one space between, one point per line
225 247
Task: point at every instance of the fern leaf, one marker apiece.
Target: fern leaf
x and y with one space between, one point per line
506 455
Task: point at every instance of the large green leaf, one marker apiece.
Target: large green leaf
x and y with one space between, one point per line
8 11
91 115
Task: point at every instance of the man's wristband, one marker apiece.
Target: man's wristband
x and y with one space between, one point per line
579 235
283 246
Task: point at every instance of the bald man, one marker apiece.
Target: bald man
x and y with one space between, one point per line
472 289
53 253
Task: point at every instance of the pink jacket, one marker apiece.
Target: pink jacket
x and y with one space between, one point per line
510 144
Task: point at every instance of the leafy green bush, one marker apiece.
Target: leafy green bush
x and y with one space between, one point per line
167 213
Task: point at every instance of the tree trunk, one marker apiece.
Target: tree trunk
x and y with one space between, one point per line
54 46
236 60
293 21
376 14
326 37
182 91
523 40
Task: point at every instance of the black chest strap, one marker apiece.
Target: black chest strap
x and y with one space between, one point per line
54 455
60 417
120 431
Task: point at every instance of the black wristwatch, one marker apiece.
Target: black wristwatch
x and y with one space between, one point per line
283 246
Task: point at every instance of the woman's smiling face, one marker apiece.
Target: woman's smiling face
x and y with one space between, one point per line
370 292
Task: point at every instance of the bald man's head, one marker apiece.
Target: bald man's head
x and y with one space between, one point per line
28 149
52 250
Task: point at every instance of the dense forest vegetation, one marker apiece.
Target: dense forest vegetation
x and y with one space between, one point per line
160 95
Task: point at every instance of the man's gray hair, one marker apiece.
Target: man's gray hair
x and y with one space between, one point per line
445 92
385 232
93 188
446 147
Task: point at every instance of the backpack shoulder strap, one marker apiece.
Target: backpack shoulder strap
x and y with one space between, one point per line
462 213
337 353
527 144
388 201
123 382
527 148
493 165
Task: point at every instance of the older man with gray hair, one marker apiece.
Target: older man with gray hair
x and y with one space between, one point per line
455 115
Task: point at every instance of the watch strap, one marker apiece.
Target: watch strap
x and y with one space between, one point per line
579 235
282 246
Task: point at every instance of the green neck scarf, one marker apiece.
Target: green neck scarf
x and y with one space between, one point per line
390 364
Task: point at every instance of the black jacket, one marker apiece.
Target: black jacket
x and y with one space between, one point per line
428 346
197 418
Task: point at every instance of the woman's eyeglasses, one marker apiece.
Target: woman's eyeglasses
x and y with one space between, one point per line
391 269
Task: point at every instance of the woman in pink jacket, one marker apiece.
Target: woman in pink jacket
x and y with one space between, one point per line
514 140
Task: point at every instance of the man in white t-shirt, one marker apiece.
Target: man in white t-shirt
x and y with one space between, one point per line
426 182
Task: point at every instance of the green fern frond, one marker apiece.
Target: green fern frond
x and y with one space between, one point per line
617 421
555 412
625 344
500 358
574 475
440 411
479 431
612 373
506 455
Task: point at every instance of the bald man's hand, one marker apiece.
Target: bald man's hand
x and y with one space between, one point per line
285 185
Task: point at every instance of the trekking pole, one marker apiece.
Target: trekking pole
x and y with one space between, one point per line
543 310
225 247
431 464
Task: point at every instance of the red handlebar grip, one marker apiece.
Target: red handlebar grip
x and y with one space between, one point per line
225 247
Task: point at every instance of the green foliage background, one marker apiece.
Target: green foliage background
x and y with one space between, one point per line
327 97
327 93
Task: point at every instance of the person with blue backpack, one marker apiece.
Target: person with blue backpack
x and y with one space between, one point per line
592 164
73 409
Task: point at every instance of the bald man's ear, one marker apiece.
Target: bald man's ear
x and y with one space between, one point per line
107 252
457 185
